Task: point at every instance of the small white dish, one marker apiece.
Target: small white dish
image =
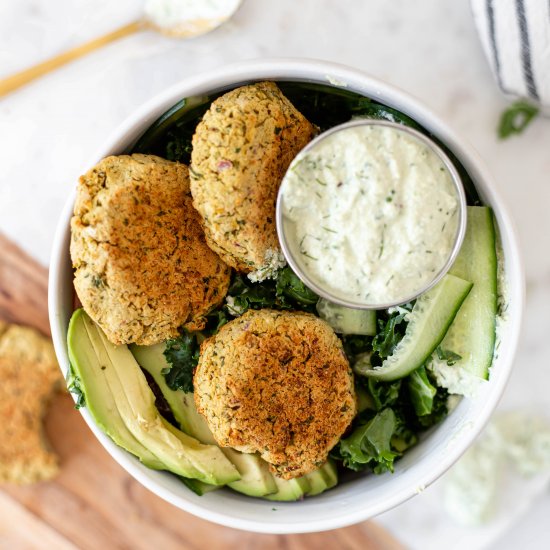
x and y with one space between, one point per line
370 495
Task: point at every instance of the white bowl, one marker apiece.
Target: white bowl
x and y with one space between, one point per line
349 502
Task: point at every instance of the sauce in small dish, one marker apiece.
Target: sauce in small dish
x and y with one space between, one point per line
371 214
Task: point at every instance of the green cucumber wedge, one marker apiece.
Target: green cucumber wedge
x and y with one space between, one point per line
429 321
256 479
345 320
472 334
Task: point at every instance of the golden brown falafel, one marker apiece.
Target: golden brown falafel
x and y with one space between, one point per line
30 375
241 150
142 266
277 383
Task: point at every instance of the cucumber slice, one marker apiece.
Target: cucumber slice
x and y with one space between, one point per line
345 320
472 334
429 320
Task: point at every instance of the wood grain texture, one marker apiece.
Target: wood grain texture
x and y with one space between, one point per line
94 503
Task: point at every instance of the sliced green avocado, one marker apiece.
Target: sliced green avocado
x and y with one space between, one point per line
100 401
330 473
290 489
198 487
117 371
256 479
322 479
308 485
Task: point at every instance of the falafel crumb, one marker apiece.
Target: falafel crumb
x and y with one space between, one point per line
274 261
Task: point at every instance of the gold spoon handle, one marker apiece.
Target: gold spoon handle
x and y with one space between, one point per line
12 83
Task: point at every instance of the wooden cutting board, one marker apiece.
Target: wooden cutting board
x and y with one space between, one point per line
94 503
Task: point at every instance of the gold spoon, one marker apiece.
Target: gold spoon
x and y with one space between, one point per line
174 18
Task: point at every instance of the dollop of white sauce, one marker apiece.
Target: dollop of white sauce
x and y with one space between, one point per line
517 438
189 17
370 213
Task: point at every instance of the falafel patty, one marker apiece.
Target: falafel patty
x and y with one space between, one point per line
277 383
241 150
142 265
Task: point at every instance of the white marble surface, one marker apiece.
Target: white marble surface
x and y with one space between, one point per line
50 129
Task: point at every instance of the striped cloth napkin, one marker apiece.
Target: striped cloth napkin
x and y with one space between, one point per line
515 35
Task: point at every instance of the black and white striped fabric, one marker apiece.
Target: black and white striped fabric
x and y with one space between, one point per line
516 38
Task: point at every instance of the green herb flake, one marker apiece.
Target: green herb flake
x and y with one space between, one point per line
516 118
73 385
446 355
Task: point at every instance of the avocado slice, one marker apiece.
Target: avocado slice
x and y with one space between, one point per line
118 372
308 485
290 489
198 487
330 473
322 479
256 479
100 401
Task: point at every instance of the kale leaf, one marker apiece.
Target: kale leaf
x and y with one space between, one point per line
390 333
369 445
421 391
286 292
290 287
384 394
439 410
183 355
516 118
355 344
215 321
404 435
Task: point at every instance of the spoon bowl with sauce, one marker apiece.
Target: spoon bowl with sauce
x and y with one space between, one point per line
371 214
174 18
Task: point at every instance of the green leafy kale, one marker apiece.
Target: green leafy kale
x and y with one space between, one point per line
390 333
415 403
215 321
183 355
73 385
286 292
326 106
291 290
369 445
355 344
516 118
438 413
384 394
421 391
404 435
171 135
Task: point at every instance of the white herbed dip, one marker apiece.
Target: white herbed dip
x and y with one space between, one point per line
370 214
187 18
